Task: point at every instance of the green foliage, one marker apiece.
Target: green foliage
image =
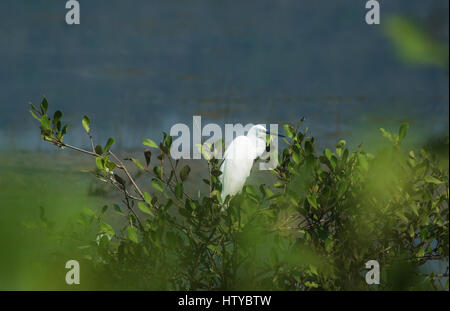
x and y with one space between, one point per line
86 122
315 227
108 145
149 143
414 45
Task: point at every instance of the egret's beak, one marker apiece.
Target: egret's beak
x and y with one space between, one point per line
275 134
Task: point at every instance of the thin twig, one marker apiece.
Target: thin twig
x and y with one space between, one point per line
122 166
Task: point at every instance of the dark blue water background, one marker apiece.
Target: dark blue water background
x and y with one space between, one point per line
138 67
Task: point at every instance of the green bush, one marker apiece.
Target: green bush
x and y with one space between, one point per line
313 229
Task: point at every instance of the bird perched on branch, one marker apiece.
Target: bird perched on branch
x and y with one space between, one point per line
239 158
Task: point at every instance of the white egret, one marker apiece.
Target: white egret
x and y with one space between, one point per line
239 158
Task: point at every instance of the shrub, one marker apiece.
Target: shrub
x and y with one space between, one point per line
314 228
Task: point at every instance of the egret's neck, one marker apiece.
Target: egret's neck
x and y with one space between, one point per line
259 145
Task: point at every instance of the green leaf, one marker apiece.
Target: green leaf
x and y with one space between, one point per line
421 252
132 234
278 185
386 134
110 165
289 130
363 162
34 115
44 105
168 142
341 144
184 173
296 157
415 210
137 163
106 228
148 198
314 270
341 189
312 199
213 248
57 116
308 147
108 145
157 185
433 180
149 143
88 212
144 208
86 122
45 122
329 243
251 191
331 158
117 209
100 163
64 130
158 171
412 232
34 108
402 131
328 153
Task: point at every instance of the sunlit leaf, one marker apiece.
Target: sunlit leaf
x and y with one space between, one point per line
149 143
86 123
144 209
106 228
433 180
157 184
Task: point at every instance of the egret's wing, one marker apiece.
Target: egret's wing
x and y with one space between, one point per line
236 167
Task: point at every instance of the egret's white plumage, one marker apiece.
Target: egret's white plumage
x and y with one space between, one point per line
239 158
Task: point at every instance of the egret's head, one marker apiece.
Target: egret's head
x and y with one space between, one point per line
257 131
260 131
259 134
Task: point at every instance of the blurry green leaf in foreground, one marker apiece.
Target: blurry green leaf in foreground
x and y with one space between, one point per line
434 180
413 44
106 228
132 234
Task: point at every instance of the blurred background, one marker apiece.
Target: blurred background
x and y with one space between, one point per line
137 68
